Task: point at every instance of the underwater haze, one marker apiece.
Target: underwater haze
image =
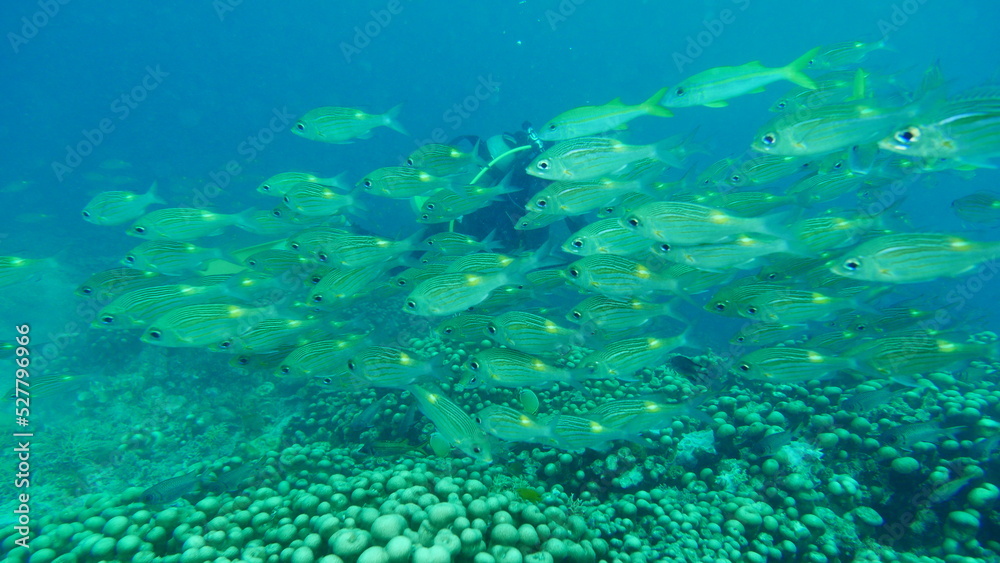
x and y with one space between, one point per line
501 282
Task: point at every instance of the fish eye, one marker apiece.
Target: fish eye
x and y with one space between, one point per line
430 207
477 449
85 213
294 246
633 221
430 243
541 203
543 165
665 247
577 315
277 213
316 279
478 419
367 183
860 327
741 339
327 380
720 306
351 365
838 165
852 265
448 330
409 162
425 217
491 328
285 370
243 360
155 334
752 310
107 319
130 259
300 126
781 105
679 92
225 344
736 178
401 282
552 127
908 135
768 139
265 188
575 272
744 367
322 256
411 304
474 365
86 290
317 298
577 243
139 229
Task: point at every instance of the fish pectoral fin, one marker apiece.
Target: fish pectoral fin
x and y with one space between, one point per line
756 90
719 104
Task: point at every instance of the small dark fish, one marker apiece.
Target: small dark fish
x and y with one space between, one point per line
980 207
230 480
871 400
364 419
685 365
906 435
770 444
172 489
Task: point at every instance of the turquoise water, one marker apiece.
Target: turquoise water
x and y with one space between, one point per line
202 100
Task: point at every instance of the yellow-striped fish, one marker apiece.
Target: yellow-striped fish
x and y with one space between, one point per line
382 366
279 184
713 87
140 306
791 365
323 356
610 315
532 334
680 223
342 125
505 367
202 325
170 258
444 160
576 433
616 276
402 182
178 223
312 199
111 283
592 120
590 158
606 236
624 358
511 425
914 258
117 207
469 327
453 424
15 270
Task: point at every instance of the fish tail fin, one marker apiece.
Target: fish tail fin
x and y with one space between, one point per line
153 196
490 243
793 72
389 120
244 219
652 105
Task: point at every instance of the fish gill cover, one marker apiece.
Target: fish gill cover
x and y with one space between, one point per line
529 281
